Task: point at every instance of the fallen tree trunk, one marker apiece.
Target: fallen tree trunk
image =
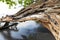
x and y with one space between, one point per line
48 13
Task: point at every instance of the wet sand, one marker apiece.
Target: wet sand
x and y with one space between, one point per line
38 33
43 34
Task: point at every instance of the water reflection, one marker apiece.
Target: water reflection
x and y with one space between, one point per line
27 31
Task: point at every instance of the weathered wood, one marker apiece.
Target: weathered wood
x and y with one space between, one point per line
47 13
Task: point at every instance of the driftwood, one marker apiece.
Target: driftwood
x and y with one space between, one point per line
47 13
7 26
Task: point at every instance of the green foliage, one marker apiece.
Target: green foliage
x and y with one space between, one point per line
10 2
22 2
25 2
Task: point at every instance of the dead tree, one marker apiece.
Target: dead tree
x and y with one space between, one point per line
47 13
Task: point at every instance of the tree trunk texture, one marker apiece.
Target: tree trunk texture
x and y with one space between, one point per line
47 13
